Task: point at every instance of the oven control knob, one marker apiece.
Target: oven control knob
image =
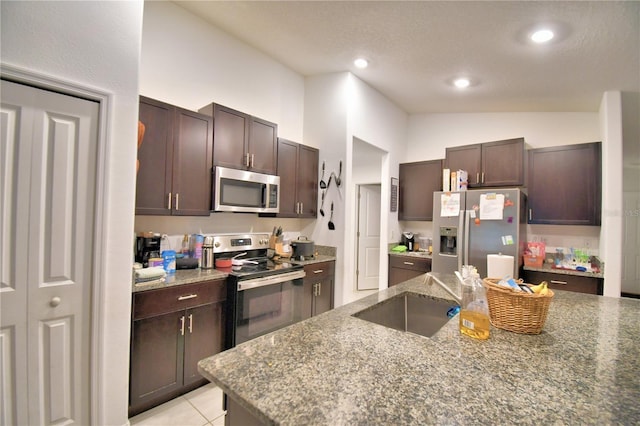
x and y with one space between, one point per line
217 244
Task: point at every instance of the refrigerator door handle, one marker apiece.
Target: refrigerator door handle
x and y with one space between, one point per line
463 252
467 225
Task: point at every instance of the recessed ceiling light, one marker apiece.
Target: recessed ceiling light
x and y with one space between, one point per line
461 83
361 63
542 36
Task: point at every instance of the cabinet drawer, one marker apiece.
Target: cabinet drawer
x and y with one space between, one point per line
409 262
156 302
564 282
320 270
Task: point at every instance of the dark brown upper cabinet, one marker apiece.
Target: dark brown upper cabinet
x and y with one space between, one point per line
241 141
417 183
175 161
564 185
499 163
298 171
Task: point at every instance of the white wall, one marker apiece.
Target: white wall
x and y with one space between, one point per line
190 63
612 220
338 109
51 39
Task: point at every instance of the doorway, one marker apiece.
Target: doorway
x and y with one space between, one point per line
368 237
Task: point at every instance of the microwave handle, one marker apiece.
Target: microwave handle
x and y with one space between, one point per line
265 194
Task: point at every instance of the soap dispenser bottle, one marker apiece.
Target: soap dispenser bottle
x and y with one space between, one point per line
474 312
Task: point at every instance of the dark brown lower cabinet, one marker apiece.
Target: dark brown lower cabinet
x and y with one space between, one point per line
403 268
577 283
318 288
172 329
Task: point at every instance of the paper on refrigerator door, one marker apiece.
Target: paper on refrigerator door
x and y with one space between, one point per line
491 206
449 205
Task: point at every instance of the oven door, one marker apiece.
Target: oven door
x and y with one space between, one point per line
267 304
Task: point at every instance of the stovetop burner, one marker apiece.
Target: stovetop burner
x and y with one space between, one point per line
255 246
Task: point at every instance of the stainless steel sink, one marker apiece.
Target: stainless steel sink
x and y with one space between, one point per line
410 312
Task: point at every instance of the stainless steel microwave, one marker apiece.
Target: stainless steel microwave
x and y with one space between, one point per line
245 191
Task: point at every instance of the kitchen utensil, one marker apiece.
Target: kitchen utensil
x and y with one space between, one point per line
332 226
323 184
322 204
303 247
339 177
223 263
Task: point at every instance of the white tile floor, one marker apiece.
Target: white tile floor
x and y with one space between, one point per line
200 407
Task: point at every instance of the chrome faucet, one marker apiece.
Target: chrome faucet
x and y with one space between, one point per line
430 279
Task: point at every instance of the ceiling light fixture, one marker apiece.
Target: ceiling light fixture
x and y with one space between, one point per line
461 83
542 36
361 63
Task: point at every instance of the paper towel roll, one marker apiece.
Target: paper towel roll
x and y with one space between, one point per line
499 266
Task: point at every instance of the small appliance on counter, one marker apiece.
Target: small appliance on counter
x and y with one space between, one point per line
408 240
147 246
303 248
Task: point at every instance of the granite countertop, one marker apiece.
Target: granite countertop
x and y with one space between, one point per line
421 254
546 267
189 276
182 276
335 369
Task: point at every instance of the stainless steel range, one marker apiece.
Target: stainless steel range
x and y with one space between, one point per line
262 295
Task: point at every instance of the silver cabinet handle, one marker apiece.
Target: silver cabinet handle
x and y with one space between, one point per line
190 323
169 202
478 177
246 159
177 201
252 162
55 301
182 325
191 296
408 263
482 177
530 214
559 282
318 271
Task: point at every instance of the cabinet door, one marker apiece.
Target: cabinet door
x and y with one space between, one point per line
467 157
565 185
156 359
307 181
503 163
263 146
417 183
192 164
230 137
399 275
204 337
287 170
154 178
318 287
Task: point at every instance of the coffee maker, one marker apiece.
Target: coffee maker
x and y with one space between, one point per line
146 248
408 240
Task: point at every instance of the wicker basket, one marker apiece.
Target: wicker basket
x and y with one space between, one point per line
514 311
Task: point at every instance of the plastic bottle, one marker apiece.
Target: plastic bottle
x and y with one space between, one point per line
474 312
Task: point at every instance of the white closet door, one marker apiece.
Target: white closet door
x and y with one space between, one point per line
51 254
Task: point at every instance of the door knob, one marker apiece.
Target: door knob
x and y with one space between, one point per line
55 301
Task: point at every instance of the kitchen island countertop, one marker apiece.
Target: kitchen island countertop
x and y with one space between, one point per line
336 369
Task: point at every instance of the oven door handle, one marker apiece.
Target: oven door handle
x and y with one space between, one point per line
270 280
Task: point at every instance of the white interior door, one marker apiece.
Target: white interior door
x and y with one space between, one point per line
368 231
49 146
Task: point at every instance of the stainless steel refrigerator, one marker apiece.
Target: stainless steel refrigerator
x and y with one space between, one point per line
469 225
